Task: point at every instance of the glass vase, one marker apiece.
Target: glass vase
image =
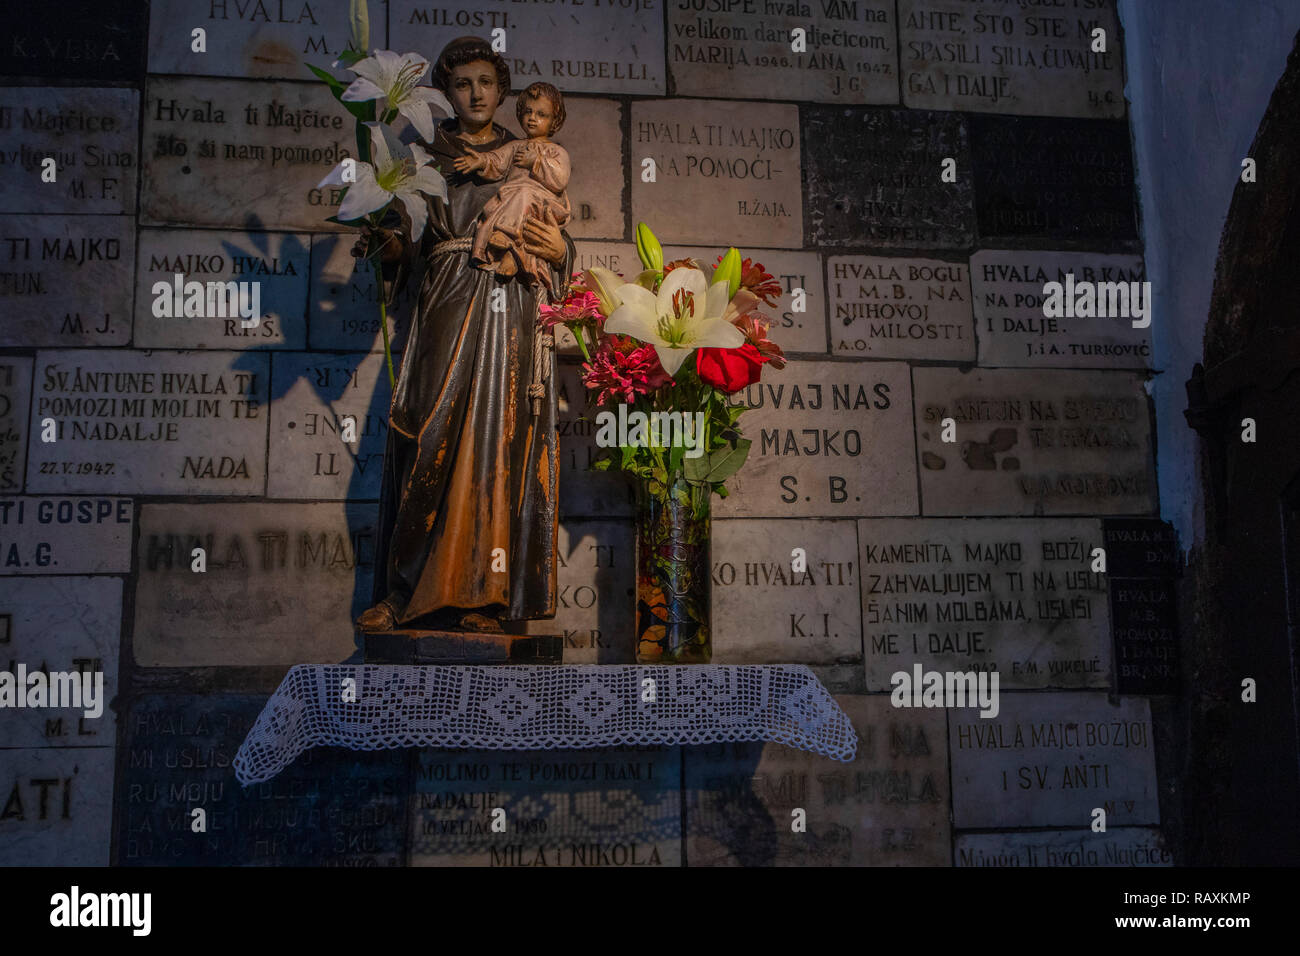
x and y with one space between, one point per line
673 574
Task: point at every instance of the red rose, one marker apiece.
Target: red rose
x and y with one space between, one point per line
729 369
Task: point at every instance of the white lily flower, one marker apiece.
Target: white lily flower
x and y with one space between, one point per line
398 172
687 314
394 77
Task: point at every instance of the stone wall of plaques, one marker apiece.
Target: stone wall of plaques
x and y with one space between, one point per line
945 452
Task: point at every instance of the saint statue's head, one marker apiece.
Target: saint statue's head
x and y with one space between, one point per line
475 79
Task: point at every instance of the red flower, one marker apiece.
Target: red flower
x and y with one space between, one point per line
758 281
729 369
755 328
622 369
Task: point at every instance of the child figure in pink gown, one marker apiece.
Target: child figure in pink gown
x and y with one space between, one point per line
537 174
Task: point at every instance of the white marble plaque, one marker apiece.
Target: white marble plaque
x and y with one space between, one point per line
1050 759
900 308
343 303
329 423
794 331
282 586
245 154
277 262
1013 596
888 807
58 806
253 38
593 136
584 491
1121 846
595 596
1031 60
1007 289
724 171
15 397
66 280
830 439
65 535
90 133
563 808
588 46
150 422
1041 442
67 625
772 605
743 48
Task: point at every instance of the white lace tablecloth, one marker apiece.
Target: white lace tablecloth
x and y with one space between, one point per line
375 707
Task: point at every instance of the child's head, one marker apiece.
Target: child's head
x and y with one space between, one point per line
540 110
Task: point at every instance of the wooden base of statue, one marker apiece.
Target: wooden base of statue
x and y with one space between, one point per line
418 646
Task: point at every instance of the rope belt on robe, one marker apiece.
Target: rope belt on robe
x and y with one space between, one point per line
543 343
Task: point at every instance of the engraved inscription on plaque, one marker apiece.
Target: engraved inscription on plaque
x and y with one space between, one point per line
874 179
562 808
91 136
889 807
584 491
772 605
1035 59
65 535
594 595
1009 310
330 807
1067 179
276 262
282 583
1120 846
830 439
68 625
330 422
723 172
342 300
900 308
57 806
150 422
1061 442
588 46
261 38
66 280
743 49
1144 620
15 397
245 154
88 40
1013 596
1050 759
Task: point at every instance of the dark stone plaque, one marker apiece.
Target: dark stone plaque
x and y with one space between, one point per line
874 179
330 807
1141 548
1062 178
77 39
1143 618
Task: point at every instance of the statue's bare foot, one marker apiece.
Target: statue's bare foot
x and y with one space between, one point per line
479 622
507 266
377 620
499 240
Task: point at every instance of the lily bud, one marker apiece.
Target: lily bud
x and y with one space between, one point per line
648 248
729 269
603 282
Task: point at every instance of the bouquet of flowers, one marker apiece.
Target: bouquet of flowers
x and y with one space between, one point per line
676 339
668 350
385 170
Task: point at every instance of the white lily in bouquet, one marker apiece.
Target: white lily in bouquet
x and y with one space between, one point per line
385 170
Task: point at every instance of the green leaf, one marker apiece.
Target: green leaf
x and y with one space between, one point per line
336 85
720 465
349 57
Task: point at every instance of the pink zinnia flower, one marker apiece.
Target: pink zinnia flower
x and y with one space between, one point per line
579 307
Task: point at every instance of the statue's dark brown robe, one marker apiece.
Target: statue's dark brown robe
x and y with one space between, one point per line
469 469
